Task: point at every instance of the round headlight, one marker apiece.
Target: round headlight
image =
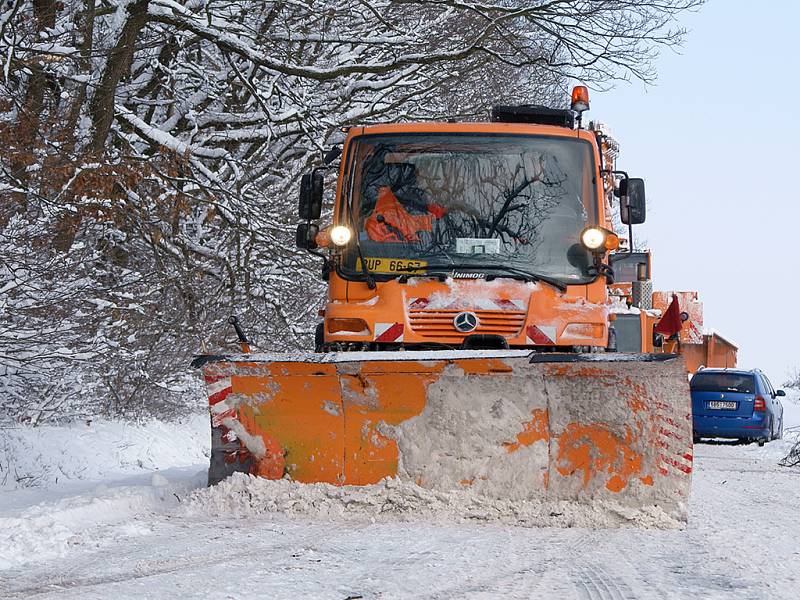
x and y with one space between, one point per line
340 235
593 238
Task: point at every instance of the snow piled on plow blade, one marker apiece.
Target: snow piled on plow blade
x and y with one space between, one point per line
243 496
596 431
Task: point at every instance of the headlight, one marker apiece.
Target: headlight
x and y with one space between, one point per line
594 238
340 235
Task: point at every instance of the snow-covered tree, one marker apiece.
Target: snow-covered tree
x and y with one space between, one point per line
152 149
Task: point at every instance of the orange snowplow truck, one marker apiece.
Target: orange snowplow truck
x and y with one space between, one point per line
466 340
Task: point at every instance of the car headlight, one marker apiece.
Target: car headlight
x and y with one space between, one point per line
340 235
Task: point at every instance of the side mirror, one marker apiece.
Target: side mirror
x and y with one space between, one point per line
780 393
306 236
332 155
311 186
632 208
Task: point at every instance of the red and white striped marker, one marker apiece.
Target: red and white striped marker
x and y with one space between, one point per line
388 332
219 388
672 457
543 335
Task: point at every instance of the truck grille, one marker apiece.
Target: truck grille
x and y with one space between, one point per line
438 324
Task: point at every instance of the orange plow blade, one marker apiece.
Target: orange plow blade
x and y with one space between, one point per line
506 424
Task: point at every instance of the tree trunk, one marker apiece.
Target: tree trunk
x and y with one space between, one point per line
118 63
28 119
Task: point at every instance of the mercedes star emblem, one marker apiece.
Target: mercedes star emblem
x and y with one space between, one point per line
465 322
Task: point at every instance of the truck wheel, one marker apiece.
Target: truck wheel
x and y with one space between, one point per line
319 337
761 441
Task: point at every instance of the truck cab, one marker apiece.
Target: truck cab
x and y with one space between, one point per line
469 235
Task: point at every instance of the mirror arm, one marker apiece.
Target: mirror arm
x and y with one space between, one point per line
630 237
615 172
630 226
607 272
326 264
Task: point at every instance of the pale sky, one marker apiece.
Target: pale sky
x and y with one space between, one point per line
718 145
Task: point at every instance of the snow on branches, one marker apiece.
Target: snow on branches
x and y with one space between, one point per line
152 151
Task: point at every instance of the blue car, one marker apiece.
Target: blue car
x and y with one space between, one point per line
730 403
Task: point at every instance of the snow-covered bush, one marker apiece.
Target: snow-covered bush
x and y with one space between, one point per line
793 381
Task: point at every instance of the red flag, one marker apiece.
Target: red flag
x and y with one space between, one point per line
671 322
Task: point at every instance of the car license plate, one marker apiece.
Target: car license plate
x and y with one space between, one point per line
719 405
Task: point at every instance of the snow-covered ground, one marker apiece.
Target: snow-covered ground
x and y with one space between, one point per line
162 535
97 450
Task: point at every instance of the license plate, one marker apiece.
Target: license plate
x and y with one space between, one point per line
719 405
392 265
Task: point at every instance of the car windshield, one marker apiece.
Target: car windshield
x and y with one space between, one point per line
723 382
472 202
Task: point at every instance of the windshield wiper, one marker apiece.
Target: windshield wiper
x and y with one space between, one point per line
533 276
518 273
364 268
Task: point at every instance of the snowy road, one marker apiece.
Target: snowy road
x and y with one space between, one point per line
136 540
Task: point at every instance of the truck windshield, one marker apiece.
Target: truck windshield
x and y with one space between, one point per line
471 202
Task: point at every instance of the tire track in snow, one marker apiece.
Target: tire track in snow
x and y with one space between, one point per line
154 567
707 560
736 500
605 571
686 563
597 584
531 570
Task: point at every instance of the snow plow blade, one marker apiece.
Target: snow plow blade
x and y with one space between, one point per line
506 424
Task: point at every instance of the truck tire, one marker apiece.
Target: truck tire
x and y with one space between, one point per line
225 457
319 337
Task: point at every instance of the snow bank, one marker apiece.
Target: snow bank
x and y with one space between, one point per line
791 408
48 454
791 426
391 500
89 520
